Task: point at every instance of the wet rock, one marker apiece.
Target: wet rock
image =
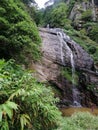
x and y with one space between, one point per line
55 56
89 82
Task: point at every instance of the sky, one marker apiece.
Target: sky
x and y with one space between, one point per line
41 3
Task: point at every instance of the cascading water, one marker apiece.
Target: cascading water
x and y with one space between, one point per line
61 35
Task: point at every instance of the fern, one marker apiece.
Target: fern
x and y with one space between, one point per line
6 109
25 120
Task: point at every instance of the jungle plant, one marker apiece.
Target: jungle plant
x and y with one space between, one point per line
25 103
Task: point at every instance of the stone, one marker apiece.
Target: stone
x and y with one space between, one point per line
49 68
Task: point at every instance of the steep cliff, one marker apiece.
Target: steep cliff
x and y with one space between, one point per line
69 61
80 7
55 68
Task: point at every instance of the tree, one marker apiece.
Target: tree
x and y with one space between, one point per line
18 33
57 16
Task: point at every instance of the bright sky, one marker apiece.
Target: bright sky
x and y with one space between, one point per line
41 3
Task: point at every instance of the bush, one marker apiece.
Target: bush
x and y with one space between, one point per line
57 16
93 33
87 15
24 102
92 49
20 31
80 121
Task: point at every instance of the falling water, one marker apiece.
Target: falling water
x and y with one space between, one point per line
60 36
75 92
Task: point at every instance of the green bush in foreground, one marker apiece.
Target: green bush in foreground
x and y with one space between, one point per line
25 104
80 121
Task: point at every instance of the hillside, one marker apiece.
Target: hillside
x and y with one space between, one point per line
80 21
48 63
18 32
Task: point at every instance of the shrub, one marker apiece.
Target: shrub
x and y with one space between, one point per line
24 102
20 31
80 121
87 15
93 33
57 16
92 49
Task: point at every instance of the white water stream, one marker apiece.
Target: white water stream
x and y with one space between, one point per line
69 53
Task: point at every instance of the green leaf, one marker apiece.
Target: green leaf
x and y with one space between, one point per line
7 110
24 120
12 105
0 115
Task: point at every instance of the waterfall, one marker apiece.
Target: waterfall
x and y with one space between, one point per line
62 37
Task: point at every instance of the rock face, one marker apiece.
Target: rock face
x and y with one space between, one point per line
81 57
55 57
89 81
80 7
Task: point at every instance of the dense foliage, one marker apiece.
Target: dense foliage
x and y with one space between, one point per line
25 103
56 17
80 121
87 15
93 33
18 33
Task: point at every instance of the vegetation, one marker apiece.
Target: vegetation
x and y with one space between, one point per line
80 37
86 36
70 7
80 121
18 36
57 17
87 15
25 104
93 33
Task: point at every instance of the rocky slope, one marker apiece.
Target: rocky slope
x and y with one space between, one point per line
80 7
50 66
83 11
